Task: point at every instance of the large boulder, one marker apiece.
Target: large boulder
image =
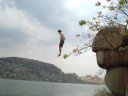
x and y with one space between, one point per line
111 58
116 80
109 38
106 44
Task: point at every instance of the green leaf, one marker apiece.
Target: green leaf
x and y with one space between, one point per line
121 2
75 50
65 56
82 22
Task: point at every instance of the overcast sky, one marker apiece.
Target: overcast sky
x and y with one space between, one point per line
28 28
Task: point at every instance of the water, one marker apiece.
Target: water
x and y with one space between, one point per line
31 88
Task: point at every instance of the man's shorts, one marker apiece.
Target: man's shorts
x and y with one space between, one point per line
61 43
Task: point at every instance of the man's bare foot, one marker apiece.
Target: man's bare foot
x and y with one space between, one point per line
59 55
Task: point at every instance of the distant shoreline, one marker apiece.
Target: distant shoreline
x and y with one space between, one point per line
48 82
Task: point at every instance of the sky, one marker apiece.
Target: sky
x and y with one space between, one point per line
28 29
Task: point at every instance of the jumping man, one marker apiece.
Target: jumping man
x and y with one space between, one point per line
62 39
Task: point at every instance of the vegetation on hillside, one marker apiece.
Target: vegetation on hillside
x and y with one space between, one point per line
28 69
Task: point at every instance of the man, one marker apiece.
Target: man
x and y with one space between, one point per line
62 39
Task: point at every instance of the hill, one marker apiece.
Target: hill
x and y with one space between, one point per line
34 70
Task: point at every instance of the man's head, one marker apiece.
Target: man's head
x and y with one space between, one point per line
59 31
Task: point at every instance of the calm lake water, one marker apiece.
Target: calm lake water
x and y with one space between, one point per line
31 88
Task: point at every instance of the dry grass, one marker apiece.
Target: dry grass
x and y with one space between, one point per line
103 92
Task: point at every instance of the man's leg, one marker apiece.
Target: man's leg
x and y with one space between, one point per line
59 51
60 47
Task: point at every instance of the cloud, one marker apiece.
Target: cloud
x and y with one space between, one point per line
23 35
18 22
53 13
